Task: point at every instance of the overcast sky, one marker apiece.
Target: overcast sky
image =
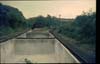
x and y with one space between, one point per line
67 8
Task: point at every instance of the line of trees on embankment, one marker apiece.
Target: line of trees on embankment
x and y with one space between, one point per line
11 20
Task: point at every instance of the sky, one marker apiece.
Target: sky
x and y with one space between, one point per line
65 8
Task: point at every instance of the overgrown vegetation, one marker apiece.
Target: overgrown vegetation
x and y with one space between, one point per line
11 20
83 28
40 21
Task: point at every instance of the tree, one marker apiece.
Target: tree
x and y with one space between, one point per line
11 19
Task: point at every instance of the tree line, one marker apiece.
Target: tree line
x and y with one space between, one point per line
82 28
11 20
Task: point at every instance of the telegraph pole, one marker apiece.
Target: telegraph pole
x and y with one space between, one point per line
59 16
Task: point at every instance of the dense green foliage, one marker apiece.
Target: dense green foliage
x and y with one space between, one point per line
87 24
40 21
11 20
83 28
